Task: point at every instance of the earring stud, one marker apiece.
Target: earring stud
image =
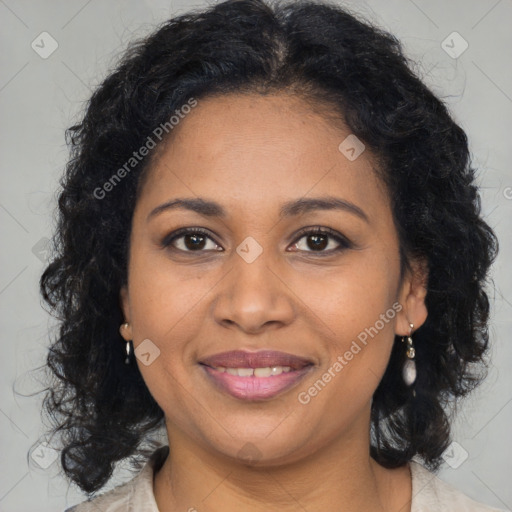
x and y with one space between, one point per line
123 327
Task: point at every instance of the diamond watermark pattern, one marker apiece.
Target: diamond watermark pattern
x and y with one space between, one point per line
147 352
249 249
454 45
351 147
44 45
454 455
249 452
40 249
44 455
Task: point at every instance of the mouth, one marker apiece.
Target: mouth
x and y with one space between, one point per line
255 375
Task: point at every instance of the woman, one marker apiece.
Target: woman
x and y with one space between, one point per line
270 244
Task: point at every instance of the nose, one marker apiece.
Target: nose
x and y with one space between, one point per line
253 297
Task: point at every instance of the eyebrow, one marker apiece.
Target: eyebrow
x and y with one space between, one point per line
289 209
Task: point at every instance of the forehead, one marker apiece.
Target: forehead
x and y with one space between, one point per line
261 150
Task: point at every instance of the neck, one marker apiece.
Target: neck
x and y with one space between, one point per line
340 476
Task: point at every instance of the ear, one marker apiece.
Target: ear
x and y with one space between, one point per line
412 298
126 332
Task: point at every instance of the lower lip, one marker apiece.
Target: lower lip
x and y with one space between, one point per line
255 388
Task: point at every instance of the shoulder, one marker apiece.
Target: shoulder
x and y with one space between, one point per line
430 493
136 495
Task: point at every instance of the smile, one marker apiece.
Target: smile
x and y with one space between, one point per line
255 375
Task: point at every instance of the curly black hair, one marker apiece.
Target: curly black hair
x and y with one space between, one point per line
101 407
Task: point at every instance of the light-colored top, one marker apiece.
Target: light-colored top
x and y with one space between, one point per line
429 493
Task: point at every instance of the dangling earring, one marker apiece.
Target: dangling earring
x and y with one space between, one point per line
409 368
129 346
129 351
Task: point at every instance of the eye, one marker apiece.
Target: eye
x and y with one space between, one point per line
318 239
190 240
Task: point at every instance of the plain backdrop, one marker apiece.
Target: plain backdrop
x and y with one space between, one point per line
43 87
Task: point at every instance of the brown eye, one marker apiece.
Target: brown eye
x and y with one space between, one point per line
321 240
317 242
193 241
190 240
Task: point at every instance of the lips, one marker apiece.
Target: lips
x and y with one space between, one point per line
261 359
253 376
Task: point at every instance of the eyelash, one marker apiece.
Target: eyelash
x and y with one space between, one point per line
343 242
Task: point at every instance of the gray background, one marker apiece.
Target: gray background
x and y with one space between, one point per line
40 97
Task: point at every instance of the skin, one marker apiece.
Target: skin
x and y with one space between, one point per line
251 153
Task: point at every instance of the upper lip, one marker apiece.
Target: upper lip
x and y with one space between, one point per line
260 359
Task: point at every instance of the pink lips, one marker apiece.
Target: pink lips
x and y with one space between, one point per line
255 388
261 359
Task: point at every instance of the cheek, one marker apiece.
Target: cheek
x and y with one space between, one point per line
352 297
161 296
357 306
168 310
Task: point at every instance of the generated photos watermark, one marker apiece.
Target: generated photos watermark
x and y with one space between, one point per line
137 156
304 397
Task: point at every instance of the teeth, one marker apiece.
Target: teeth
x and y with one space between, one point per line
244 372
256 372
264 372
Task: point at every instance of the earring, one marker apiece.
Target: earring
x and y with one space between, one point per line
129 344
409 368
129 351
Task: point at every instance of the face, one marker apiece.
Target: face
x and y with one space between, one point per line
298 255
